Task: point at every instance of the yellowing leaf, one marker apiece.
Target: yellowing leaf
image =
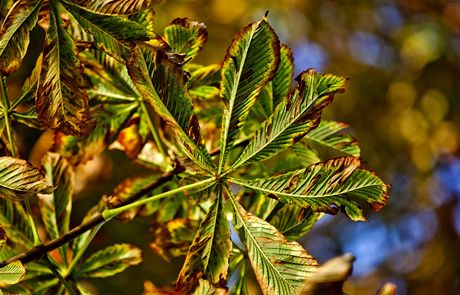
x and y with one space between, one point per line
19 179
12 273
14 33
186 37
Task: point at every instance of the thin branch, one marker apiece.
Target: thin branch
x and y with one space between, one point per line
38 251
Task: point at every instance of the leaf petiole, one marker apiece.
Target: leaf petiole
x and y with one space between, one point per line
111 213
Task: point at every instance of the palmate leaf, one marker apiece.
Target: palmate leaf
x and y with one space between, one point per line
120 7
19 179
186 37
326 187
250 62
56 207
62 99
208 256
294 117
14 33
109 261
111 33
12 273
162 84
13 219
327 135
280 266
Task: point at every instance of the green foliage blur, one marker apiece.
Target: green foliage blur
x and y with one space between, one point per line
402 101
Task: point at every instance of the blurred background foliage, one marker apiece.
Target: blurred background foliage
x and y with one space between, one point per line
402 101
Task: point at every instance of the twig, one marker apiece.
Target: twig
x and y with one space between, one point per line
38 251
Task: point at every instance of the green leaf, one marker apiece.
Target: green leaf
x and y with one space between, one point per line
56 207
111 33
326 187
250 63
120 7
305 155
329 278
208 256
12 273
163 85
108 77
326 135
283 76
110 261
145 18
280 266
13 219
276 90
186 37
293 222
14 34
19 179
204 75
204 81
62 99
294 117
